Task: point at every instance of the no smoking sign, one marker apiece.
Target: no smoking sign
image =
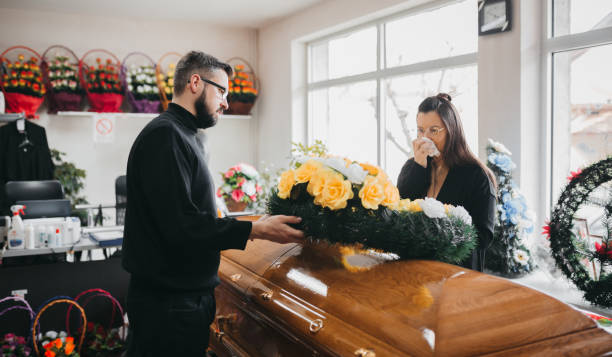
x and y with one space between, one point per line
104 128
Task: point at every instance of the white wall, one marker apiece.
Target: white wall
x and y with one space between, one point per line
230 142
508 98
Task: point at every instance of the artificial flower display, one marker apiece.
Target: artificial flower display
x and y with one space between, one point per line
61 78
242 92
508 253
240 185
142 89
102 83
22 85
14 346
342 201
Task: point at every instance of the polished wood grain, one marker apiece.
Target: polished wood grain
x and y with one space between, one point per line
420 308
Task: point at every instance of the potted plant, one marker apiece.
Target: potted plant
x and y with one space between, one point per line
101 82
139 81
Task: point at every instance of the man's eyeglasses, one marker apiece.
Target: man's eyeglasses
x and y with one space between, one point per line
433 131
222 90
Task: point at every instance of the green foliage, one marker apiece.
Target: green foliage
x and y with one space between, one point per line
318 149
409 235
567 254
71 178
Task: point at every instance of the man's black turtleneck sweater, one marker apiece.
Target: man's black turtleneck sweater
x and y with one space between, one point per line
172 236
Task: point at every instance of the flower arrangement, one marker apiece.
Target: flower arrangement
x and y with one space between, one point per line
141 82
22 82
508 254
63 75
60 347
241 87
570 252
24 76
14 346
103 78
101 342
347 202
240 185
166 81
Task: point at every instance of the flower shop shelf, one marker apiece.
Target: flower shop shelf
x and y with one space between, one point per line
142 115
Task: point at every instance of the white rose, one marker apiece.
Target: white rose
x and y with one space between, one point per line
337 164
460 213
51 334
249 188
356 174
433 208
499 147
521 257
248 170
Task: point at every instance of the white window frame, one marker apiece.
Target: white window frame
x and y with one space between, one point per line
382 73
551 46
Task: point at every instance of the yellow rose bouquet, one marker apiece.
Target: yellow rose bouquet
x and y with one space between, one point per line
342 201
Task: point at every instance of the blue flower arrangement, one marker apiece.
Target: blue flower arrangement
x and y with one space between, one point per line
508 255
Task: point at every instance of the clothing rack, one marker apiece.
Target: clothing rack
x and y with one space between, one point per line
11 117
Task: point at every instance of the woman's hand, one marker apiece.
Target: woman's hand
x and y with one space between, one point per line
422 148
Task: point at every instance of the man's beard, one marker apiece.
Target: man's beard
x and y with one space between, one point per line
203 117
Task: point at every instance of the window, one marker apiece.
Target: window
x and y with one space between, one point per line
364 85
580 49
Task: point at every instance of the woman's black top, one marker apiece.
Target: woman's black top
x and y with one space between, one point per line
467 186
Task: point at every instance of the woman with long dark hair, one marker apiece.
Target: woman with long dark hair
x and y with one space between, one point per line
443 167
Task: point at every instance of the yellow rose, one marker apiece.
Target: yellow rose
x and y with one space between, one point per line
415 206
336 191
392 195
317 182
404 204
372 193
305 172
287 180
447 208
371 169
171 82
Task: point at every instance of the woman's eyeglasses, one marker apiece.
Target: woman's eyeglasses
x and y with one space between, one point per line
222 90
432 131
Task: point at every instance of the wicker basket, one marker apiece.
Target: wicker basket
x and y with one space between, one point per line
139 105
17 102
48 304
101 102
87 296
162 67
25 307
61 100
237 106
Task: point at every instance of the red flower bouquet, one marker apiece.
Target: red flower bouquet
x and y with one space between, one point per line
101 82
22 82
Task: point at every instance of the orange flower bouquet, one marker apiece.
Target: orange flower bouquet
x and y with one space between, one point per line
59 348
101 82
242 90
22 82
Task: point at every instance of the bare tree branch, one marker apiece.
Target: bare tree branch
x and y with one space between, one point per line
397 144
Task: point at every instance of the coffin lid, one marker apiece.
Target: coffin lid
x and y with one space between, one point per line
418 307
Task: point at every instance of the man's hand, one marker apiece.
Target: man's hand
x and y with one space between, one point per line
276 229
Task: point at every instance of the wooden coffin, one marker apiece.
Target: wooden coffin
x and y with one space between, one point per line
294 300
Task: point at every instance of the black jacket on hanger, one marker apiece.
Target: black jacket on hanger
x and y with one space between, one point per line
28 162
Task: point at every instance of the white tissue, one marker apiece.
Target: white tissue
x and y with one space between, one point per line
433 152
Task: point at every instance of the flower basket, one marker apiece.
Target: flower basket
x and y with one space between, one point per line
139 82
164 72
60 68
240 187
100 340
22 84
243 88
10 344
67 347
101 81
